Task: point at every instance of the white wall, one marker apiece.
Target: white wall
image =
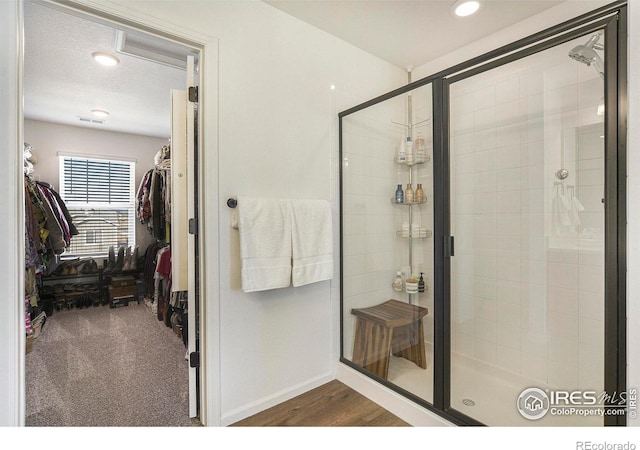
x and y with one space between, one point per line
49 139
278 138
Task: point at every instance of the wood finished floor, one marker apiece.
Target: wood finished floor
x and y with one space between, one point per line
331 405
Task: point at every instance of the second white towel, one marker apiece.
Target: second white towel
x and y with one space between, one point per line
312 241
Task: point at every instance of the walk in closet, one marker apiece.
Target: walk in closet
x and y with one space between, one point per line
104 237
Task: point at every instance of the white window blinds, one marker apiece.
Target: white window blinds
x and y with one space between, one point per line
97 181
99 194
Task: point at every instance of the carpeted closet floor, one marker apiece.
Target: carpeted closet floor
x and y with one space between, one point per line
107 367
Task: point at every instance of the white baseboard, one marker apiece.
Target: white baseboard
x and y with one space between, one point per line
272 400
393 402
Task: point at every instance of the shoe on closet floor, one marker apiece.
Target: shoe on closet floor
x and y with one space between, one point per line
127 260
135 260
120 261
87 267
111 262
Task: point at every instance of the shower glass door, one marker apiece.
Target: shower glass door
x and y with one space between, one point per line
526 164
387 326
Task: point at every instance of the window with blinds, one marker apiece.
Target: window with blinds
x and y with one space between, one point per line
100 196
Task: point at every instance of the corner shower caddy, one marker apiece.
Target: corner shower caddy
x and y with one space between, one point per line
411 166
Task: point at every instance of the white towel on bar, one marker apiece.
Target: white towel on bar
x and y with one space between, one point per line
312 240
265 243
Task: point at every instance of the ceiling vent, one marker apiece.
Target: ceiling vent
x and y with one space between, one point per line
152 49
91 120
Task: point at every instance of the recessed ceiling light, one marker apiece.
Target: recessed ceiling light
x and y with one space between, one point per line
105 58
100 113
463 8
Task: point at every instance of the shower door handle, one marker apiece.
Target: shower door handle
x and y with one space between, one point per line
448 246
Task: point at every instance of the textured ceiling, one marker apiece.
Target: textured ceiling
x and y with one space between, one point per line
62 81
409 33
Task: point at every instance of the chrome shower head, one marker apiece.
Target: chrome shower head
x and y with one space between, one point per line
586 54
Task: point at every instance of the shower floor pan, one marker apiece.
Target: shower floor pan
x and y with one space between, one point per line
486 393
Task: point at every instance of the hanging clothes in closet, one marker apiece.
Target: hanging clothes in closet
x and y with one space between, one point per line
153 197
153 208
162 278
54 229
150 268
48 232
172 306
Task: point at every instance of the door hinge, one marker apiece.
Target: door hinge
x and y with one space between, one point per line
193 94
194 359
193 226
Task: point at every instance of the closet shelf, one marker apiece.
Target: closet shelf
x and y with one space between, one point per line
52 277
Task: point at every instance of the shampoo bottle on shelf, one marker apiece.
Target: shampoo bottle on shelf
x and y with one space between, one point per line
402 154
406 229
415 230
408 194
419 194
421 283
399 194
397 282
420 148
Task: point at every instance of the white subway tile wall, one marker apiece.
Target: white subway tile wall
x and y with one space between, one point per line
528 289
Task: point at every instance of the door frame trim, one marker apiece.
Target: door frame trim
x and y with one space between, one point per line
208 287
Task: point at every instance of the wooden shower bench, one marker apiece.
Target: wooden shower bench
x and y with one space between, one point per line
393 327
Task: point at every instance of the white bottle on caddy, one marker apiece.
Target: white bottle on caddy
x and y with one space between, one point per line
402 154
398 283
409 150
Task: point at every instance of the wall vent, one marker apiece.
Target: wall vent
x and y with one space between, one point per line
91 120
152 49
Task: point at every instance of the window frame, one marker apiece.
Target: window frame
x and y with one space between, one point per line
74 206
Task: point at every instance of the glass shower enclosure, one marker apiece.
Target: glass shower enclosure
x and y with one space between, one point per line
388 234
497 286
